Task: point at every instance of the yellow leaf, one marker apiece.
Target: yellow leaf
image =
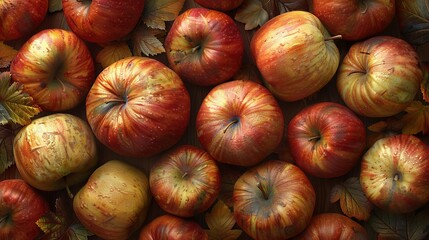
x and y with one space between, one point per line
220 222
157 12
145 41
252 14
112 53
7 54
55 5
416 119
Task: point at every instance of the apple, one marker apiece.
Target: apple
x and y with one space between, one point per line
220 5
204 47
138 107
20 207
19 18
56 68
333 226
102 21
55 151
326 139
185 181
295 55
380 76
114 201
173 228
273 200
394 173
354 20
240 123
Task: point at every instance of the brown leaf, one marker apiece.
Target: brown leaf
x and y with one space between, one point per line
7 54
112 53
416 119
157 12
6 147
145 41
424 86
220 222
252 14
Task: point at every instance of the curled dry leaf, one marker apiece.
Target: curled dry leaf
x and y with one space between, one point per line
252 14
145 40
416 119
112 53
157 12
220 221
293 5
7 135
7 54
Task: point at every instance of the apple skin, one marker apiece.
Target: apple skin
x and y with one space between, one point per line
138 107
326 139
55 151
20 207
240 123
273 200
185 181
56 69
172 228
394 173
333 226
354 20
220 5
379 77
19 18
294 55
115 200
102 21
204 47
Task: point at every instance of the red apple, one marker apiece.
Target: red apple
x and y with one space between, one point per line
172 228
138 107
326 139
274 200
20 207
56 69
240 123
354 20
185 181
333 226
204 46
220 5
379 77
102 21
295 55
19 18
394 173
55 151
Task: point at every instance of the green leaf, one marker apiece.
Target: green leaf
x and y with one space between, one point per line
6 147
157 12
16 106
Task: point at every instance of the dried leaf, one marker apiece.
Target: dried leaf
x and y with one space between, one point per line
416 119
6 147
352 199
157 12
252 14
16 106
145 41
293 5
424 86
413 19
7 54
220 222
112 53
55 5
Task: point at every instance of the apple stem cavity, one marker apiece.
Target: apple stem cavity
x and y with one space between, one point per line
185 174
333 38
4 219
263 190
234 121
396 177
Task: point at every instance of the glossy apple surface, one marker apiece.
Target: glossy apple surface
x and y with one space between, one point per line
56 69
19 18
326 139
273 200
240 123
354 20
172 228
379 77
55 151
102 21
394 173
114 201
294 55
204 46
221 5
20 207
138 107
185 181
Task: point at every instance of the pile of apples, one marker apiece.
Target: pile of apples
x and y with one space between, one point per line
140 109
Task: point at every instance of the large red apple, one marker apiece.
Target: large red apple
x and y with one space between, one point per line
102 21
379 77
274 200
204 46
220 5
20 207
56 69
394 173
185 181
240 123
326 139
138 107
354 20
19 18
295 55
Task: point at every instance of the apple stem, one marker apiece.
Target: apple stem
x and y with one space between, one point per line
263 190
230 124
333 38
185 174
